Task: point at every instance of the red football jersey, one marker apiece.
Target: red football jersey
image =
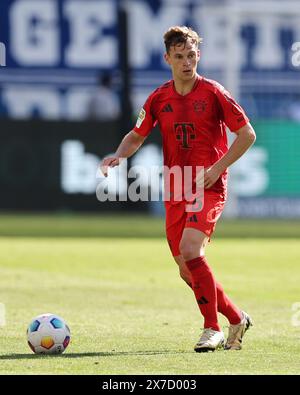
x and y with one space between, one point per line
193 126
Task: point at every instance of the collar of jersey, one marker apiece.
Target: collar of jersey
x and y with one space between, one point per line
198 79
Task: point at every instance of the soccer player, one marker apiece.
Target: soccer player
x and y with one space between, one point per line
193 113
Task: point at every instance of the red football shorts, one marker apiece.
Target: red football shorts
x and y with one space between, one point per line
177 219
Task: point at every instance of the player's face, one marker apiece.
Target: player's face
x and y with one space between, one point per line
183 60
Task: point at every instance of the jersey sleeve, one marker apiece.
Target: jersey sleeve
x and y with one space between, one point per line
232 113
146 121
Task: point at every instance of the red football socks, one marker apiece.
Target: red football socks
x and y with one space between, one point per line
205 290
226 307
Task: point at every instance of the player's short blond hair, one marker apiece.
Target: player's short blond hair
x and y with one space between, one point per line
177 35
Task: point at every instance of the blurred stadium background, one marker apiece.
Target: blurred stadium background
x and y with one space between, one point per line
55 52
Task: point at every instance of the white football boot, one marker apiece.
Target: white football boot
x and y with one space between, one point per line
236 333
210 340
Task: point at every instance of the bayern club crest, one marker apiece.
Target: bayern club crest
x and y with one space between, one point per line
199 105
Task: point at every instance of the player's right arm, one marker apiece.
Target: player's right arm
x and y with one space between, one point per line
134 139
129 145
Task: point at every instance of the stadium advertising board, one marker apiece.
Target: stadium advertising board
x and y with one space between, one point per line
61 170
53 51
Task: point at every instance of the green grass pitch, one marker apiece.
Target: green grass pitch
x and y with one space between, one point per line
114 281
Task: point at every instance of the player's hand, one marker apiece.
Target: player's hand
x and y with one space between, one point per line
208 177
211 175
111 161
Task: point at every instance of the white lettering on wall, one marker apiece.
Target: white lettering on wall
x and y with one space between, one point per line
146 29
89 47
267 51
78 168
34 32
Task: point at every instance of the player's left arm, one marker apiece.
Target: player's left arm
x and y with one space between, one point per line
245 138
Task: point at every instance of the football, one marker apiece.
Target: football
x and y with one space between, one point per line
48 334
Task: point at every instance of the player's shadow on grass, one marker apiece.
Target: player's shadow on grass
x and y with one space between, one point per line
91 354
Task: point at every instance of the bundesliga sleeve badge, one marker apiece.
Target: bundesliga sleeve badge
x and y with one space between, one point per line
141 117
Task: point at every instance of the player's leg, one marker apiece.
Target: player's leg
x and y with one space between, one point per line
192 248
227 307
179 244
205 221
175 224
240 322
224 304
184 272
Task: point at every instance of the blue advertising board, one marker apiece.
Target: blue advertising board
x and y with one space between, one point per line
56 48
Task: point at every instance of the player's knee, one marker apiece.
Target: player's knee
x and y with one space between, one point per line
189 250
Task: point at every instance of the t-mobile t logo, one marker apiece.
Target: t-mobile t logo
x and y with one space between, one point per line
2 54
185 132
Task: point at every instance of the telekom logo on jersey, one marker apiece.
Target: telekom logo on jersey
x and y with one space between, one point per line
180 184
184 133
